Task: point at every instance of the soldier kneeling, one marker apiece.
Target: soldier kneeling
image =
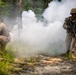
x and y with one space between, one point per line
4 36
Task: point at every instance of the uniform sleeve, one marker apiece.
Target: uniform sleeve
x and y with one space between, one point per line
65 26
6 32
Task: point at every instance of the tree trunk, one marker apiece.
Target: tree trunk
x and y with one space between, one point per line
46 3
19 12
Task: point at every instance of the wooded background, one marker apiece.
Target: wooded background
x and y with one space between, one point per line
13 9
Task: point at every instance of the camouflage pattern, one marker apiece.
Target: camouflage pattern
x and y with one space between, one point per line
73 50
70 34
4 36
68 42
66 26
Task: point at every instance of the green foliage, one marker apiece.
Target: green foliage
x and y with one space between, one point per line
3 73
9 56
4 67
36 5
3 2
6 62
3 8
27 4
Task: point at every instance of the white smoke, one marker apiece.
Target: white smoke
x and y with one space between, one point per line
44 37
58 10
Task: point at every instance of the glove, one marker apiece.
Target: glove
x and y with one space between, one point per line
69 28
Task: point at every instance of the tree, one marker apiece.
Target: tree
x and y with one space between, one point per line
59 0
46 3
14 9
19 12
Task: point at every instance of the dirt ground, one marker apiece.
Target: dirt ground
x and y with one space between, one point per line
44 65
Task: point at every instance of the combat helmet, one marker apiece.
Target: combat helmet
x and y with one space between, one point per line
73 10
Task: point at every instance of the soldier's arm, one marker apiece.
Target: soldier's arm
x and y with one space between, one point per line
65 26
6 32
7 35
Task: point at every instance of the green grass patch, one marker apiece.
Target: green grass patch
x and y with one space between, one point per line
6 62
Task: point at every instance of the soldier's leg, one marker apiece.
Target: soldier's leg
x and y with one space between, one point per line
74 42
0 51
68 42
3 47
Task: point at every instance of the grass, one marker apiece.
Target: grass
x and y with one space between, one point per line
3 73
7 58
6 61
4 68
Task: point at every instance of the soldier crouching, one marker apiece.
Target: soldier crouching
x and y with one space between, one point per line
4 36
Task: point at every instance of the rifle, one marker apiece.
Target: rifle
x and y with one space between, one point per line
71 27
70 24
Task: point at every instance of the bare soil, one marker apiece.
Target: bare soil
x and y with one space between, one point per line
44 65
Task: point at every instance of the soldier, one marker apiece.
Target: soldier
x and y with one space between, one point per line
4 35
69 25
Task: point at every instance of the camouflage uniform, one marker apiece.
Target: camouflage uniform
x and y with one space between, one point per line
71 29
4 36
70 35
73 50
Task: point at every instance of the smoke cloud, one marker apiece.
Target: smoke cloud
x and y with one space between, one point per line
45 36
